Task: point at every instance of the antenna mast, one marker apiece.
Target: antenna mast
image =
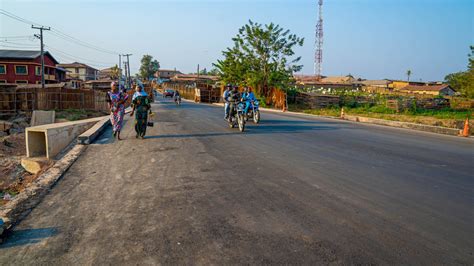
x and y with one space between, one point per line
318 53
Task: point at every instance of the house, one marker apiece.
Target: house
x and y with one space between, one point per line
166 73
435 90
80 71
376 86
24 67
74 83
327 83
400 84
109 73
338 79
101 84
193 78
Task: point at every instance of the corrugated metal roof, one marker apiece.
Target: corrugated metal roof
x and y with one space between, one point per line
19 54
23 54
425 88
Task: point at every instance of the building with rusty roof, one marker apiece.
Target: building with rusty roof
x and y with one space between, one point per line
435 90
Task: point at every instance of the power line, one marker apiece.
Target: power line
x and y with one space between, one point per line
76 58
25 37
12 46
79 42
13 16
59 34
20 44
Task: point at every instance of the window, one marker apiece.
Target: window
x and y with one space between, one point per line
3 69
21 81
38 70
3 81
21 70
38 82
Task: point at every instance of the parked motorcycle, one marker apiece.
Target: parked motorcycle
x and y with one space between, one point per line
237 116
253 112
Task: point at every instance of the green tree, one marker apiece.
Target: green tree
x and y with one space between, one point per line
408 74
262 57
213 72
148 67
463 82
114 72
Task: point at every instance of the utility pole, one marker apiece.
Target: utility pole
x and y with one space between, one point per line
129 80
120 69
198 71
42 50
126 73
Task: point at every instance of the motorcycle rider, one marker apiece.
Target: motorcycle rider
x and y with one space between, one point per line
176 95
233 98
249 97
225 96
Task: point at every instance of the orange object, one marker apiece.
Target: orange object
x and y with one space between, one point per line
466 130
342 112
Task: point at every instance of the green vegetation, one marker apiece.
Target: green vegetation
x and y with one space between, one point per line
77 114
148 67
262 57
463 81
445 117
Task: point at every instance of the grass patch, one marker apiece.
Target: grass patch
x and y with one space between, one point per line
448 117
77 114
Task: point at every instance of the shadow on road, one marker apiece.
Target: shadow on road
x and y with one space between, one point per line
251 130
28 236
295 122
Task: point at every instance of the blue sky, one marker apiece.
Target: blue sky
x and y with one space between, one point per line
372 39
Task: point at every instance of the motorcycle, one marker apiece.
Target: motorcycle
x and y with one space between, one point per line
237 116
253 112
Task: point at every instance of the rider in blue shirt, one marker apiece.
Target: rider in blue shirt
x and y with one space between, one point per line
249 97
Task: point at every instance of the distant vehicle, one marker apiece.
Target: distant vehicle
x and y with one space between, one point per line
168 93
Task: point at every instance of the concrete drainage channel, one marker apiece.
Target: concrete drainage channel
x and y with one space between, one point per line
44 143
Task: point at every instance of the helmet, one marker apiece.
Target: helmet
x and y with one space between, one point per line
228 85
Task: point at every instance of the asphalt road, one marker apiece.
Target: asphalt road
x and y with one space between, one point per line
292 190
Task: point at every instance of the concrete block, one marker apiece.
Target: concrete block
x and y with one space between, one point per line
92 133
42 117
34 165
48 140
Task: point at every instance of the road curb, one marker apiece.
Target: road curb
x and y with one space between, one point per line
20 206
92 133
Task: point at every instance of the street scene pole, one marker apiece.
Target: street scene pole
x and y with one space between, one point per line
120 68
127 69
42 50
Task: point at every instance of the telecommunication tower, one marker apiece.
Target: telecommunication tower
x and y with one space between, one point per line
318 52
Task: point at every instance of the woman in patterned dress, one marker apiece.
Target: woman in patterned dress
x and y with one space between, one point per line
116 100
141 105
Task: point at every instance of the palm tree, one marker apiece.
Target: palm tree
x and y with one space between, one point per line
408 74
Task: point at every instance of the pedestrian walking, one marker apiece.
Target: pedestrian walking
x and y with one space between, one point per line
116 100
141 107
